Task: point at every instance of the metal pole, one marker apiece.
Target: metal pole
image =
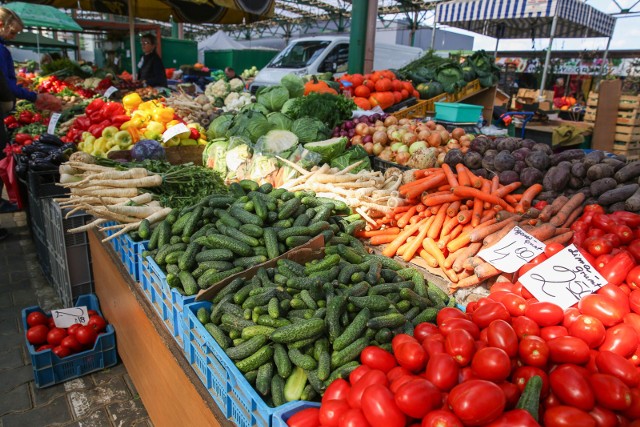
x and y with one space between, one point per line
433 31
495 52
132 40
370 38
545 71
358 35
604 59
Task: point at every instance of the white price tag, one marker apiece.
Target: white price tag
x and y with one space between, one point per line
175 130
563 279
70 316
53 122
513 251
110 91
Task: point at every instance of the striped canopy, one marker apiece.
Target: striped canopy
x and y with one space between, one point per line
522 19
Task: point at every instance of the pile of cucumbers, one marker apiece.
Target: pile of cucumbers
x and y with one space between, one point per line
293 329
222 235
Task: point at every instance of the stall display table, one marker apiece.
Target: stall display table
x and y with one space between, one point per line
170 390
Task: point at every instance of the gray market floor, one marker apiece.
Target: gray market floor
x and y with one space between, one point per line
103 399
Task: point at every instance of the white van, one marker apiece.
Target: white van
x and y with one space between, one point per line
314 55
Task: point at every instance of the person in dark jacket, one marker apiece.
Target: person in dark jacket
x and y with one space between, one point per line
6 104
151 68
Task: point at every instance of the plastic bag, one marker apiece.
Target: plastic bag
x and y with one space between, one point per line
9 177
302 157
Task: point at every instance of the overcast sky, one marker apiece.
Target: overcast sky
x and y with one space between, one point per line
625 36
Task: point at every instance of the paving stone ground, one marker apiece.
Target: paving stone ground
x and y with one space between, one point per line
103 399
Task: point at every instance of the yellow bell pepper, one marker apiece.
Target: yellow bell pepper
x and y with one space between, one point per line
131 101
163 115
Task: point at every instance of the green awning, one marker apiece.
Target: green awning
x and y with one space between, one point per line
41 16
32 40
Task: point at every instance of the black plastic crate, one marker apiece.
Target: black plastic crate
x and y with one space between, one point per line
42 252
36 214
43 184
382 165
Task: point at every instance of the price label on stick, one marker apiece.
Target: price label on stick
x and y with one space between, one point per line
175 130
70 316
513 251
564 279
53 122
110 91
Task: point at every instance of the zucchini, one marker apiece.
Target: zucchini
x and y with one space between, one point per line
247 348
349 353
353 331
295 384
257 359
530 397
298 331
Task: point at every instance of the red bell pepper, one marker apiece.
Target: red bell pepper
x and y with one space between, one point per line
604 222
16 149
119 120
9 119
82 123
616 271
95 105
37 118
634 249
20 138
194 134
111 109
14 125
96 130
97 117
25 117
633 277
629 218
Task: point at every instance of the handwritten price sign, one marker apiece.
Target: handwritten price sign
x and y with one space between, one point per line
564 279
70 316
513 251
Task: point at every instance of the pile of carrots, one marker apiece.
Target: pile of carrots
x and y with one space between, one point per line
451 215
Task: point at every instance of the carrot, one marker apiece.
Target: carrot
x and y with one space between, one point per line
453 277
449 224
451 258
476 181
562 238
553 208
415 244
472 280
472 262
531 213
495 183
466 192
487 228
428 258
420 207
574 215
403 248
459 242
456 231
392 248
453 208
464 207
561 230
528 196
432 248
431 200
443 240
563 214
502 215
488 214
465 254
445 187
476 213
451 177
464 217
436 227
381 239
463 178
485 271
507 189
415 190
404 219
463 274
371 233
511 199
494 238
416 218
543 231
469 203
401 209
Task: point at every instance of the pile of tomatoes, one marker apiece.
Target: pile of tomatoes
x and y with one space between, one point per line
379 88
44 335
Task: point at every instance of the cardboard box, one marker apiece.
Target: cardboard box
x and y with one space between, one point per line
530 96
313 249
545 106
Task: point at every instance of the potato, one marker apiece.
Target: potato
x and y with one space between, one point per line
600 171
602 186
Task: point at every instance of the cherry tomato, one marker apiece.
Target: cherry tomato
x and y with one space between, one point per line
56 335
545 313
450 313
477 402
621 339
610 392
61 351
442 370
98 323
86 335
525 326
37 318
418 397
372 377
604 417
568 350
309 417
603 308
460 345
423 330
338 390
353 418
457 323
552 332
489 312
589 329
572 387
441 418
515 304
521 376
377 358
516 417
357 373
492 364
612 363
534 351
37 334
331 411
500 334
380 409
567 416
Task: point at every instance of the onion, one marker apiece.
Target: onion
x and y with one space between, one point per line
356 140
375 117
453 145
380 137
434 140
396 135
431 125
379 123
349 125
465 143
457 133
416 146
404 121
367 138
445 135
441 158
368 147
403 157
423 135
351 133
344 133
409 138
391 120
440 127
464 149
377 148
335 133
396 146
356 120
362 129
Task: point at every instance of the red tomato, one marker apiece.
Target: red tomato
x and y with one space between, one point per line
45 347
634 301
450 313
570 316
51 323
71 330
377 358
534 351
617 295
460 345
610 392
621 339
552 332
372 377
501 286
633 411
353 418
338 390
553 248
604 417
86 335
442 370
357 373
411 355
380 409
418 397
433 345
492 364
400 381
92 313
457 323
331 411
603 308
61 351
572 387
72 343
466 374
56 335
401 339
477 402
98 323
589 329
37 335
567 416
521 376
525 326
544 313
515 418
309 417
612 363
37 318
396 372
489 312
568 350
500 334
441 418
511 393
423 330
515 304
633 320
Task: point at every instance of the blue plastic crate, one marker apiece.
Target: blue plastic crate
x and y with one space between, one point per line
114 242
458 113
284 412
141 248
49 369
131 251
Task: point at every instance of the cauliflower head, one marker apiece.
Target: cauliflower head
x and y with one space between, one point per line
236 85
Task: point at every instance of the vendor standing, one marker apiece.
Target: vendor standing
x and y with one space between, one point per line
151 69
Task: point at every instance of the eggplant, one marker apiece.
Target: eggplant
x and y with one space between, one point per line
42 165
47 138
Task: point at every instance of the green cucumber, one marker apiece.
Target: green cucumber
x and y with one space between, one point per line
295 384
174 257
252 331
342 371
353 331
277 390
247 348
252 230
188 283
214 255
245 217
263 380
298 331
257 359
372 302
271 243
530 397
218 335
324 264
249 261
391 321
427 315
188 258
349 353
230 289
324 365
219 241
301 360
415 299
211 277
281 359
335 308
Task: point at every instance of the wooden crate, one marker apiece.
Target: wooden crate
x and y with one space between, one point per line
417 111
590 114
592 100
631 154
626 134
628 102
620 145
628 117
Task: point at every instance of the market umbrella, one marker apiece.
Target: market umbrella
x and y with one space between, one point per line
31 40
41 16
